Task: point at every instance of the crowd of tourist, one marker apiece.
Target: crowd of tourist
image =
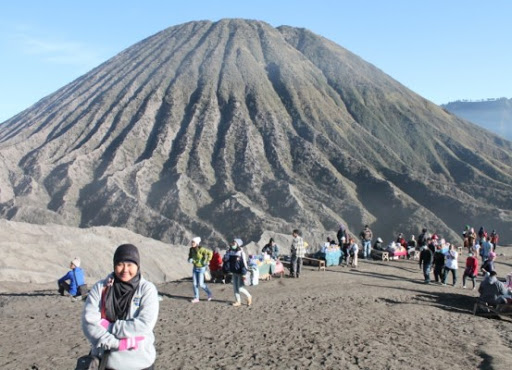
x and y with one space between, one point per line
121 310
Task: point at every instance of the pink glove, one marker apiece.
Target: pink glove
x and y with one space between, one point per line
105 323
129 343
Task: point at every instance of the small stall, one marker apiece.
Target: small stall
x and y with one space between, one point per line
267 266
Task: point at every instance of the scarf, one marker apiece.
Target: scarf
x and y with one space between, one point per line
119 298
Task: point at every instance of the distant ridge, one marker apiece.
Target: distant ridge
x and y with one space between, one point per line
492 114
235 128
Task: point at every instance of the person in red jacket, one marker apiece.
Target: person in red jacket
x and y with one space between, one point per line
471 270
216 267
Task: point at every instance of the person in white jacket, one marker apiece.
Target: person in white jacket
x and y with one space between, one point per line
451 265
121 312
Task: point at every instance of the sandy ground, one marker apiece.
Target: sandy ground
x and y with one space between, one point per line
380 316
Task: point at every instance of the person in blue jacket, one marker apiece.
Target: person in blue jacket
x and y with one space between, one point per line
75 277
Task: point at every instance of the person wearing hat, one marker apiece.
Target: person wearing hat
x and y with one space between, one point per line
75 276
492 291
121 312
200 257
236 264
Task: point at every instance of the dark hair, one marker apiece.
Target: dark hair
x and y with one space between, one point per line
493 273
271 241
296 231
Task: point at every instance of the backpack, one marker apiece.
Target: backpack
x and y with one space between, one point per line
235 265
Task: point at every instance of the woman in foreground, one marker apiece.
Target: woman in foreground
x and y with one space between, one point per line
120 314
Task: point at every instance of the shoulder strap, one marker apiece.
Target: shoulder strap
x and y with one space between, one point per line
103 309
104 360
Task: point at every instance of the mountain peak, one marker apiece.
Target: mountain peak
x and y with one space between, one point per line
235 127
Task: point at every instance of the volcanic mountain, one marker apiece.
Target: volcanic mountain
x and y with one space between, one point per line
234 128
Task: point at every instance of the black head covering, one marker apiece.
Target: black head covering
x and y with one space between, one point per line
127 252
120 294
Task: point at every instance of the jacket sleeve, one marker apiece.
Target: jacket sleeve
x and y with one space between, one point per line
244 259
501 288
91 317
66 277
145 321
208 256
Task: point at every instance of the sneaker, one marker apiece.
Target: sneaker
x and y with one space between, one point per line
249 301
195 300
210 298
463 287
444 284
236 304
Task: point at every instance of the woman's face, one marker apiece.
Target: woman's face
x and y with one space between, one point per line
126 271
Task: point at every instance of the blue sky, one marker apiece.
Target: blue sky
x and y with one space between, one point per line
443 50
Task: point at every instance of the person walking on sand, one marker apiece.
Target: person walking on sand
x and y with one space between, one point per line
297 254
366 238
236 264
121 312
426 259
75 276
451 265
200 257
438 263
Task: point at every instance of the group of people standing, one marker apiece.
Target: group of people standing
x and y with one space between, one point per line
234 263
444 256
121 310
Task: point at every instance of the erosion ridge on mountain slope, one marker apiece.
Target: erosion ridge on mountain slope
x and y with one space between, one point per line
235 128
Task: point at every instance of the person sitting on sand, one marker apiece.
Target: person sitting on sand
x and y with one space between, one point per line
236 264
216 266
200 257
471 270
401 240
75 276
378 244
121 312
411 247
492 291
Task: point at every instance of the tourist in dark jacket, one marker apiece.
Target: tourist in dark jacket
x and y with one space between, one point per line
488 265
342 233
438 264
236 264
426 259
